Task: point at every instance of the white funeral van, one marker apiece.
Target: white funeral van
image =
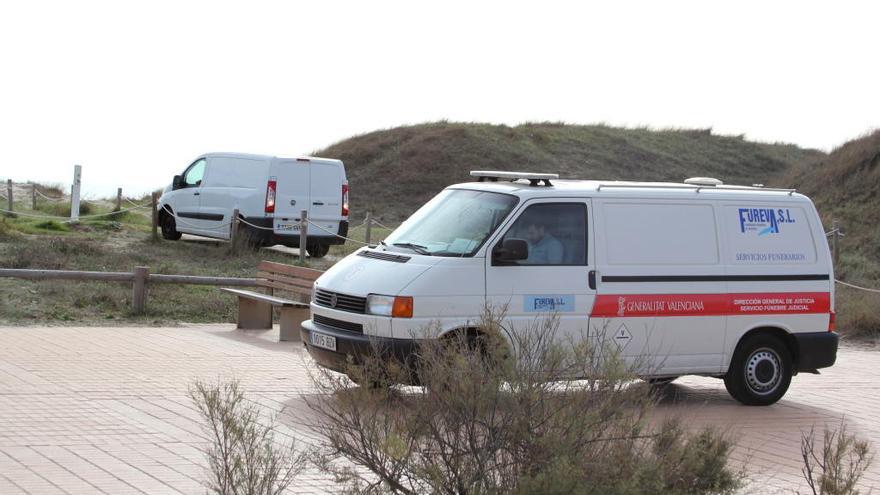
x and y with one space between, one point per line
703 278
269 193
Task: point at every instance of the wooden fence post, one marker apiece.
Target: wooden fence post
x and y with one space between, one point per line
835 247
155 217
34 196
369 223
233 229
118 198
139 289
9 193
303 234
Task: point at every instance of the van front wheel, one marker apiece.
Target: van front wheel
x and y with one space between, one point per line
169 228
760 371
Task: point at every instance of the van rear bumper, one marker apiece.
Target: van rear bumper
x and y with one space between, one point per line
270 238
354 346
816 350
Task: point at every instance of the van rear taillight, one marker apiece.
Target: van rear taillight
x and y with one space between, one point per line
270 195
345 200
832 321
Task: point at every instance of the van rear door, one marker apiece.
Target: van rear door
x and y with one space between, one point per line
325 205
292 179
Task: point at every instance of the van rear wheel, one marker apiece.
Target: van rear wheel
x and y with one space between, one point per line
760 371
318 250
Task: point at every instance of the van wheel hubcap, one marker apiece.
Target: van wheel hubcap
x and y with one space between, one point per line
763 371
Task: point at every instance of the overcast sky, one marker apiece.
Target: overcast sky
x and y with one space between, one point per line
134 91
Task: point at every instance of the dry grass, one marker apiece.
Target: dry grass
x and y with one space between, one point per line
427 157
845 185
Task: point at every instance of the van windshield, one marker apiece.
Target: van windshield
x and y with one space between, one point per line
455 222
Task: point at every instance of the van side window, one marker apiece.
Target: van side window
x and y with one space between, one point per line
194 174
556 233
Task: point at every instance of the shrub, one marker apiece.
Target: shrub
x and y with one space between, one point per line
243 455
489 423
6 229
837 468
52 225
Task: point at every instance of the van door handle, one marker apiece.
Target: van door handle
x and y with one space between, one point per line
591 279
318 203
196 193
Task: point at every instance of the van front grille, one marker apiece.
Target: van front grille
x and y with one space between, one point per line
343 302
348 326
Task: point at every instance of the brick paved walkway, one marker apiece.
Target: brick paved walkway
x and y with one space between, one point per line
89 410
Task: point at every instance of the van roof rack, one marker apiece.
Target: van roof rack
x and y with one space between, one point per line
494 175
695 187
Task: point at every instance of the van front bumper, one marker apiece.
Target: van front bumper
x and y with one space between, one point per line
353 347
815 350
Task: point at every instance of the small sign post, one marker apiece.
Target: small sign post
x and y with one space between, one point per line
74 193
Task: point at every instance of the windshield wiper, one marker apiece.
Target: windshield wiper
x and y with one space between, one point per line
415 247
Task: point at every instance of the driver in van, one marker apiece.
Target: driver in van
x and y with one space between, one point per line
544 249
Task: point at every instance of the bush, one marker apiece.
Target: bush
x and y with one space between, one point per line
52 225
488 423
6 230
243 455
62 209
838 467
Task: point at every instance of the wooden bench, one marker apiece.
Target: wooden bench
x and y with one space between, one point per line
255 308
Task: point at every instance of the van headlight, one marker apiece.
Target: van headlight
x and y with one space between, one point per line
395 306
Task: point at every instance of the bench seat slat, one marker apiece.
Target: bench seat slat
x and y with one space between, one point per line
275 301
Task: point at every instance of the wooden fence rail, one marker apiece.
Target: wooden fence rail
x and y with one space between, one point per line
140 279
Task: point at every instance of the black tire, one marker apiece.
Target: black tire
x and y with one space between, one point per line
760 371
318 250
169 228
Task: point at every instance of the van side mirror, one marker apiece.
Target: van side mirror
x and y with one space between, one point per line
177 183
511 250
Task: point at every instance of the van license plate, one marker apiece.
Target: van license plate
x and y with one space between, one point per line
292 227
323 341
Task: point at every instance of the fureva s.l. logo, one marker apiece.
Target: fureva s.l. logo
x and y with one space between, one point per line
763 221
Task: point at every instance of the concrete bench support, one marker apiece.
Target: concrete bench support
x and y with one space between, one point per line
255 313
291 318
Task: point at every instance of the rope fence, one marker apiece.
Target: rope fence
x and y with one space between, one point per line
866 289
380 225
48 197
64 219
137 205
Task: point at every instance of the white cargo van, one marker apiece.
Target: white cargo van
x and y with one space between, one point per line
268 191
706 279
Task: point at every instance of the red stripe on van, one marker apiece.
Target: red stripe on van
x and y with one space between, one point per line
761 303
